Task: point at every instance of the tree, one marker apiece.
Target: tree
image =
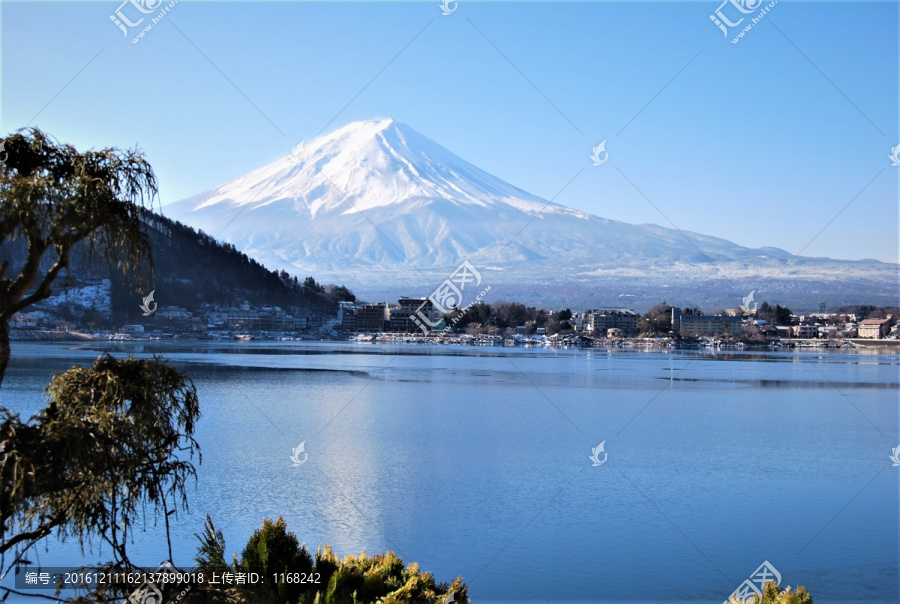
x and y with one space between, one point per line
658 320
272 550
310 284
53 198
782 315
339 293
511 314
774 315
114 438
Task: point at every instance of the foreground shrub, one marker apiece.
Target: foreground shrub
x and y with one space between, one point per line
271 551
772 595
111 451
380 579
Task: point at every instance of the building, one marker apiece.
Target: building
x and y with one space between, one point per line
805 331
241 318
27 320
275 320
346 318
174 313
401 314
373 317
828 331
216 318
705 325
875 328
769 331
599 321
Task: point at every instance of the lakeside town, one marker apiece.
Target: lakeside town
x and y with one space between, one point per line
419 320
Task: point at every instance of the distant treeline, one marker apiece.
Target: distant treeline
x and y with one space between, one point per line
486 318
867 311
502 315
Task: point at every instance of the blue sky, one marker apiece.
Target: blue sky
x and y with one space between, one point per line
762 142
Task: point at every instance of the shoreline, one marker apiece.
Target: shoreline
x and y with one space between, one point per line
444 339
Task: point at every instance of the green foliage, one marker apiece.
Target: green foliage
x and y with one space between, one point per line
327 563
114 439
272 550
774 315
502 315
385 580
511 314
381 579
658 320
211 552
52 198
867 311
772 595
346 581
217 274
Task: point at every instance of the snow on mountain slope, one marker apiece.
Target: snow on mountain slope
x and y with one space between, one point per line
375 164
374 199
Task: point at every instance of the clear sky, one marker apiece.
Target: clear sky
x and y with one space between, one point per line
763 142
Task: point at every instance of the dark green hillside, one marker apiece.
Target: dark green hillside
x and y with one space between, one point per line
193 269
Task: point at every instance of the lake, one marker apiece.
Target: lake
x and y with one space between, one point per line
474 461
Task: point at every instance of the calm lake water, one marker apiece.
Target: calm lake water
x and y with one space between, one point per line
475 462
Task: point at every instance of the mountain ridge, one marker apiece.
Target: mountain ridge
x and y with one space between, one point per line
376 203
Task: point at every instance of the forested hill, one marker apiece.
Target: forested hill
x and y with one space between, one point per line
194 269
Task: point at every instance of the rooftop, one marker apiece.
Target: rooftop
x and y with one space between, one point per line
874 321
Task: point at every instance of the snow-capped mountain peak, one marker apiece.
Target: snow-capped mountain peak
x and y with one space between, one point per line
367 202
366 165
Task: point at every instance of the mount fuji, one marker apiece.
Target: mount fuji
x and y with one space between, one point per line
383 209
